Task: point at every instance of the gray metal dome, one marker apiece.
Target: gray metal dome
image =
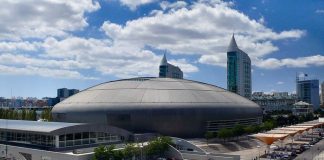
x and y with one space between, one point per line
175 107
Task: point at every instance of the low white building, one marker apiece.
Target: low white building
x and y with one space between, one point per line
275 101
32 140
302 108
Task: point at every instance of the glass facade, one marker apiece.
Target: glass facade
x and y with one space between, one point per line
66 140
239 73
163 71
232 72
28 138
85 138
308 91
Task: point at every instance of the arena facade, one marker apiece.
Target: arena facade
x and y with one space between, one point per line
173 107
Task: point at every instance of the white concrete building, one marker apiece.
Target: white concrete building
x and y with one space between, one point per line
32 140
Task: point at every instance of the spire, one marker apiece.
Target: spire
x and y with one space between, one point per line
164 61
232 46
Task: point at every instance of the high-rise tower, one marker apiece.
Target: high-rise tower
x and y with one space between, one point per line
238 70
308 91
168 70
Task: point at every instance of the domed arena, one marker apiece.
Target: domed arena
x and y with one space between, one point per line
173 107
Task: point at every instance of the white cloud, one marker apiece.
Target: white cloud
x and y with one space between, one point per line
320 11
40 71
261 20
20 45
280 83
173 6
203 28
213 60
38 19
184 65
74 54
21 60
133 4
106 57
300 62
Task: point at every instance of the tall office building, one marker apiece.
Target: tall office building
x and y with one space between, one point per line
308 91
168 70
238 70
62 93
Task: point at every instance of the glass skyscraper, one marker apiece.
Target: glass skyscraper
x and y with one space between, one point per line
308 91
168 70
238 70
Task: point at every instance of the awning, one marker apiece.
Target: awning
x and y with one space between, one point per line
278 131
300 130
269 138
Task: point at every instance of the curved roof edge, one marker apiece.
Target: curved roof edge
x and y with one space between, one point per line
149 78
58 128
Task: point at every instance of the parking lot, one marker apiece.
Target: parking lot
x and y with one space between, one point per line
307 145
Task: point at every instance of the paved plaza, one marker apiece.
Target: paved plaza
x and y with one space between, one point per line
247 149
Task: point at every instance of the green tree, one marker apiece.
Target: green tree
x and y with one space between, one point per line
208 136
118 155
100 153
249 129
238 130
23 114
224 133
104 153
15 114
268 125
158 146
46 114
130 151
33 115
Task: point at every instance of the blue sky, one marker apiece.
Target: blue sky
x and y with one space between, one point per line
45 45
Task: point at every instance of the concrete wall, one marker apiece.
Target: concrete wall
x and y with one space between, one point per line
17 153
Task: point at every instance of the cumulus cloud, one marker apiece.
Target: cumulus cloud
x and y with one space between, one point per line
73 55
203 28
40 71
280 83
38 19
23 60
176 5
320 11
133 4
121 60
300 62
19 45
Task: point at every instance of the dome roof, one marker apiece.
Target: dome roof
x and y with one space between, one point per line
154 90
174 107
